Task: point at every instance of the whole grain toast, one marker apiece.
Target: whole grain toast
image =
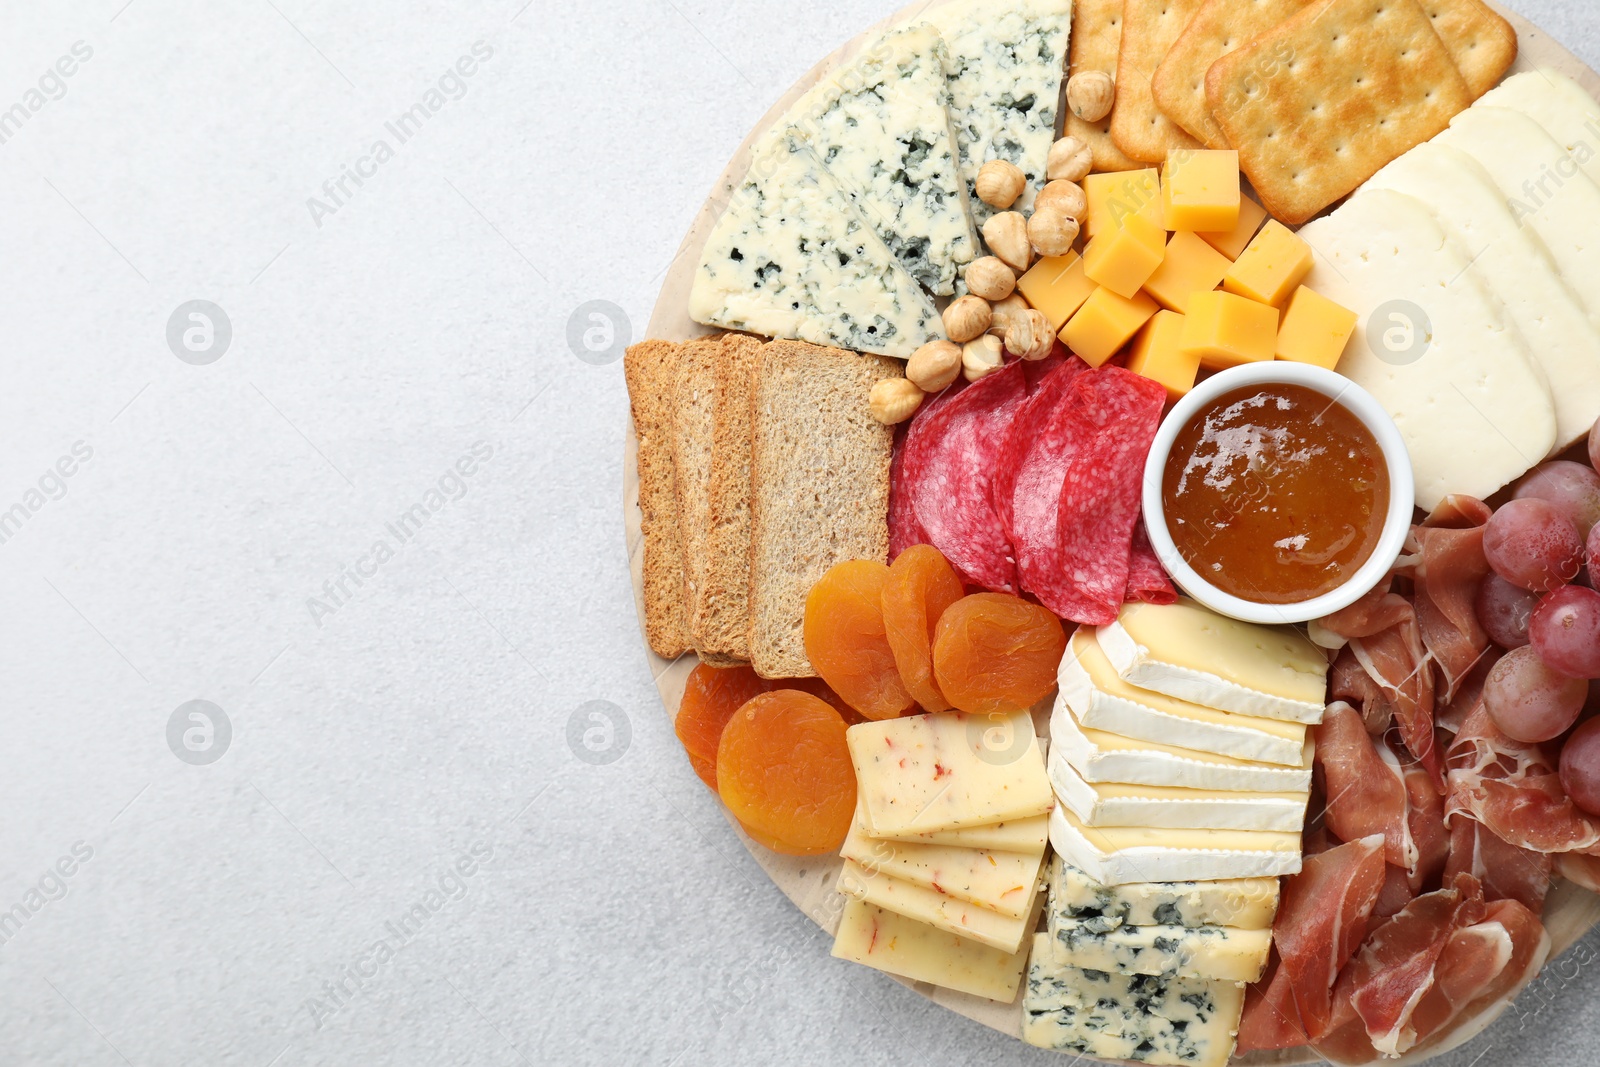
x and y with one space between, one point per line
650 368
694 401
819 470
722 615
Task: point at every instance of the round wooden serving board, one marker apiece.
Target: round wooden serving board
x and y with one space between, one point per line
1570 912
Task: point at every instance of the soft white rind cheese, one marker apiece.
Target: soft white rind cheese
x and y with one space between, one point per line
1561 106
1113 804
792 257
1179 855
1247 903
897 945
1000 881
1003 932
1222 952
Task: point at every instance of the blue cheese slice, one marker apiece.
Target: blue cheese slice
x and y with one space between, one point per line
900 946
1006 64
792 257
1119 855
1168 1022
1226 953
1116 804
1246 903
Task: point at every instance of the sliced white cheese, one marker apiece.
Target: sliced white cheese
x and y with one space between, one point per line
1186 651
1559 104
1015 835
1091 687
1000 881
792 257
1456 377
1003 932
1247 903
1006 63
1116 804
1172 1022
897 945
1116 856
1226 953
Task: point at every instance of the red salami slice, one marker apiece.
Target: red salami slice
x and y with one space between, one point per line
1033 467
904 529
1147 579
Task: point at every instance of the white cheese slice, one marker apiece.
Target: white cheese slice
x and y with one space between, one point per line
792 257
1099 756
1015 835
1559 104
1000 881
1226 953
1003 932
1470 403
1115 856
1185 651
1515 269
1006 64
1170 1022
1117 804
1247 903
900 946
1091 687
927 773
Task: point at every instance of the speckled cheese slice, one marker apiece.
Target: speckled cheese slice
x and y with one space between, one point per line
900 946
1015 835
793 258
1003 932
1116 804
1226 953
1116 856
1559 104
1003 882
1247 903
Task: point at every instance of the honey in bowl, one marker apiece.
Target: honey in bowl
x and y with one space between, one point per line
1275 494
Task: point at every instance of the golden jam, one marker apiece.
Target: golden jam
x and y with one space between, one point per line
1275 493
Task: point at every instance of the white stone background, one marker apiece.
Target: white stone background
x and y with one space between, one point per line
616 919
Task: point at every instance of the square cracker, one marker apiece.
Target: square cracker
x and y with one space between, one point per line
651 369
1149 29
1322 102
1179 85
1483 44
1096 39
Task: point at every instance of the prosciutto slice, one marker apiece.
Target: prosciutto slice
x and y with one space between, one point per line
1513 789
1579 869
1481 970
1365 786
1349 681
1451 568
1322 920
1425 822
1271 1020
1506 871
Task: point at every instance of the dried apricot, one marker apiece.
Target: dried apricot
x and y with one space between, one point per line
845 639
784 771
921 585
710 698
993 652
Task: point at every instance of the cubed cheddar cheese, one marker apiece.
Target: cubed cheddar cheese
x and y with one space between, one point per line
1191 266
1271 267
1223 330
1232 243
1056 287
1123 257
1200 190
1115 195
1315 329
1105 323
1158 354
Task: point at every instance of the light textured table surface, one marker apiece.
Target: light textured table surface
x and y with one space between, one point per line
381 531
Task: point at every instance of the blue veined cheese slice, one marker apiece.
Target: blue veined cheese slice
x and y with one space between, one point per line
1003 932
881 126
900 946
1003 882
1246 903
1006 64
793 258
1166 1022
1090 686
1226 953
1118 855
1186 651
1559 104
1176 807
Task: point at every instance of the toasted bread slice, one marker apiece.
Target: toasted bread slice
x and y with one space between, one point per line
819 472
695 403
721 617
651 368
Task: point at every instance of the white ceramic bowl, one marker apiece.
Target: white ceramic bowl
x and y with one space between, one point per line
1358 402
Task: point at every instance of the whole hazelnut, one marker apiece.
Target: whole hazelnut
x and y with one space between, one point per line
1065 196
990 278
1005 312
1006 234
966 318
895 400
1052 231
1091 94
1030 336
1070 160
999 183
934 366
981 357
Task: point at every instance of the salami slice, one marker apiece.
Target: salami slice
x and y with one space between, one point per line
904 529
1147 579
1033 467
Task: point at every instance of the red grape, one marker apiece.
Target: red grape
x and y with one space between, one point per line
1565 631
1594 447
1529 701
1593 555
1572 487
1530 543
1504 610
1580 767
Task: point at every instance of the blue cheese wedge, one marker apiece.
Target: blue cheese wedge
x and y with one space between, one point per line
900 946
792 257
1245 903
1168 1022
1226 953
1115 804
1119 855
1006 63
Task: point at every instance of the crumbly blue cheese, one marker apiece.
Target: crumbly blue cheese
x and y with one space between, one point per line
1167 1022
793 258
1006 63
1221 952
881 126
1247 903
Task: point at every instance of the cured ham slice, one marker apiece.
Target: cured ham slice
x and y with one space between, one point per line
1579 869
1395 894
1322 920
1271 1020
1481 971
1451 567
1506 871
1366 790
1349 681
1429 834
1513 790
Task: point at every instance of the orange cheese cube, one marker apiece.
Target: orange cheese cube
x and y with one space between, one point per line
1105 323
1115 195
1191 266
1231 243
1158 354
1200 190
1271 267
1315 329
1057 287
1122 258
1223 330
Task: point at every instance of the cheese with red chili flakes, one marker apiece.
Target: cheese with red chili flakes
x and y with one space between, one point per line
897 945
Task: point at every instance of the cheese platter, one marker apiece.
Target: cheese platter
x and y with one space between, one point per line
1139 753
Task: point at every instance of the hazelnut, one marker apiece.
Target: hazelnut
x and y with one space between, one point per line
1030 336
895 400
934 366
1052 231
1006 234
999 183
1091 94
990 278
1070 160
966 318
1066 196
1005 312
981 357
